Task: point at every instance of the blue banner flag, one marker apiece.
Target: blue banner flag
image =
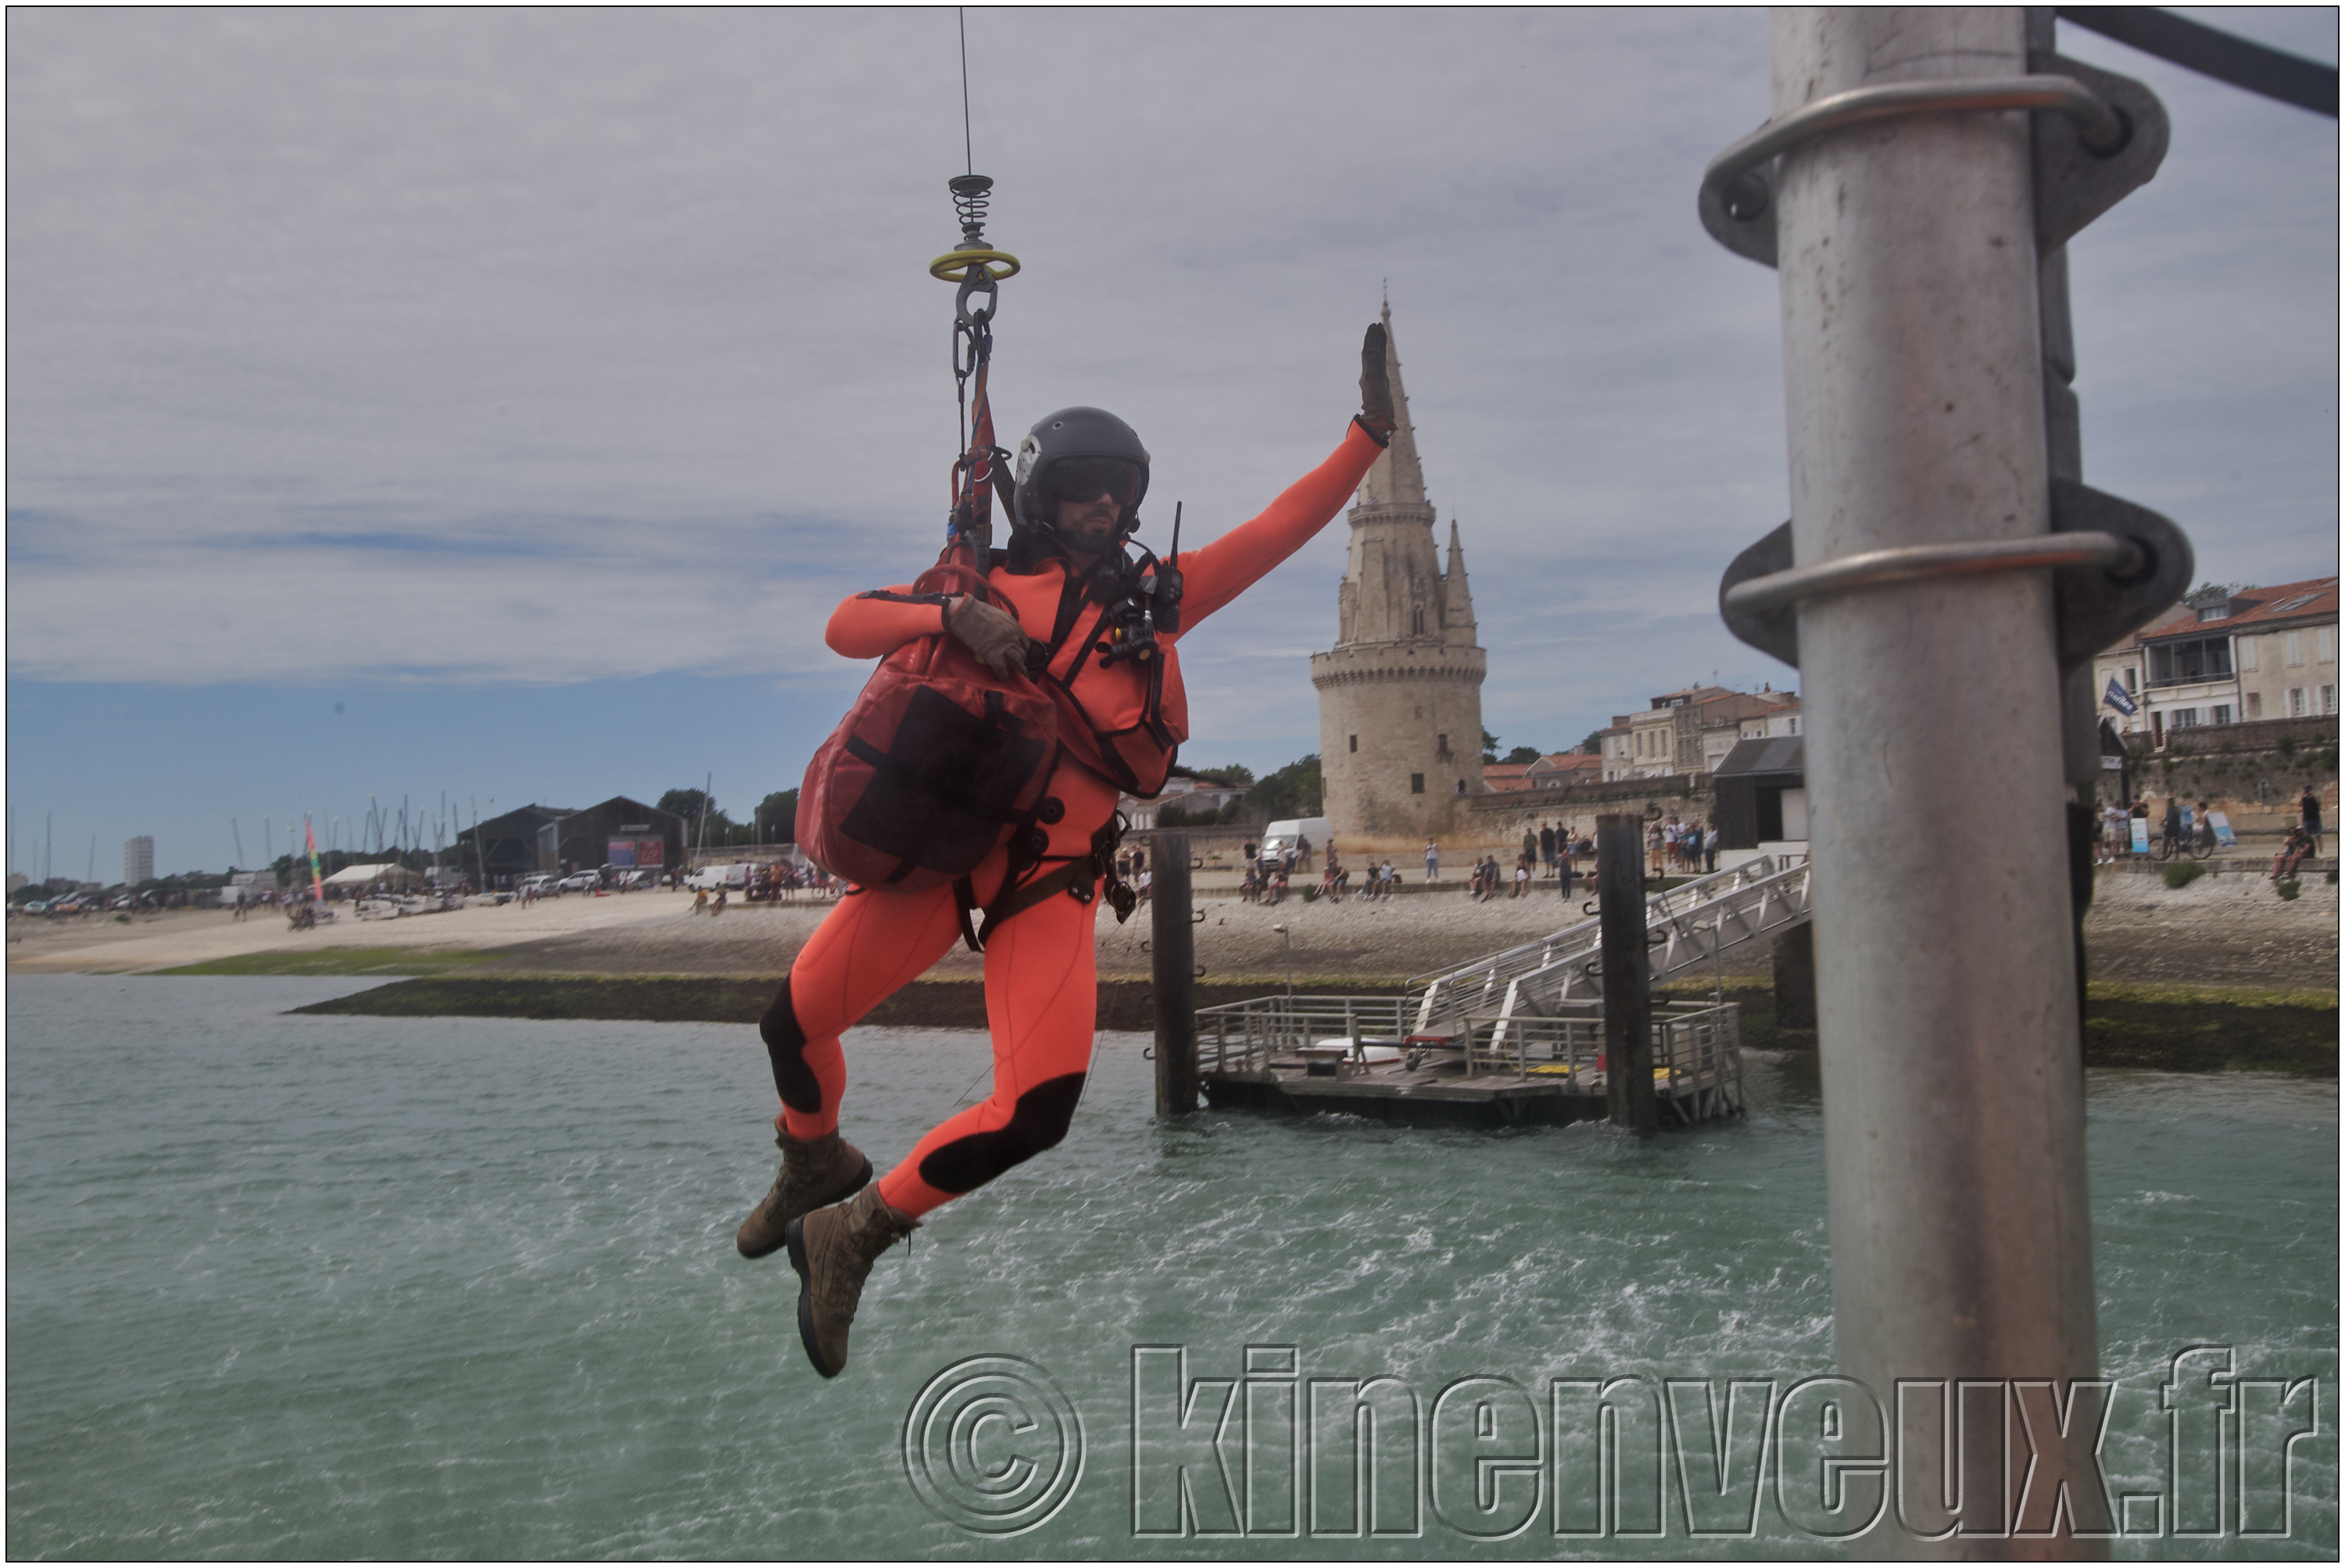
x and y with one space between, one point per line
2115 698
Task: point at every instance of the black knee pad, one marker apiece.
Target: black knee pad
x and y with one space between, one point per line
1037 1123
786 1043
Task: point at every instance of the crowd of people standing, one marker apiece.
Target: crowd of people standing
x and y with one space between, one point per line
2185 825
1551 851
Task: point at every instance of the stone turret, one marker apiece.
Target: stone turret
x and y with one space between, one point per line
1400 694
1458 616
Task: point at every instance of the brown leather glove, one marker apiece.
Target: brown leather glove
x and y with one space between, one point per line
993 635
1375 388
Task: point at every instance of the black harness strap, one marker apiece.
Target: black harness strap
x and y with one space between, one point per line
1073 876
1073 593
1067 879
965 895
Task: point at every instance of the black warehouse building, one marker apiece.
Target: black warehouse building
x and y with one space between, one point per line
1751 781
621 833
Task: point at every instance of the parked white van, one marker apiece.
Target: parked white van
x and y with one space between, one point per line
1292 842
714 877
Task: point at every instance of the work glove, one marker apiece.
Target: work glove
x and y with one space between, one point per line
1375 388
993 635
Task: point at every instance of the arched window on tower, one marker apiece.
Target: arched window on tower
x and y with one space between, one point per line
1416 620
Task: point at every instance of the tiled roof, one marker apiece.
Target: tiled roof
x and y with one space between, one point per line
1505 778
2254 608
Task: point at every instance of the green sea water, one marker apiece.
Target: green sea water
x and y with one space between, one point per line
321 1287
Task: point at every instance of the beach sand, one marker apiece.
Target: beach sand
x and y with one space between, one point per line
2227 930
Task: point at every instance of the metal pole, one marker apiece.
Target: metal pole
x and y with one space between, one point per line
1172 946
1628 971
1954 1092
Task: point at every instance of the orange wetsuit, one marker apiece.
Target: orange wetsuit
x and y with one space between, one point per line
1041 995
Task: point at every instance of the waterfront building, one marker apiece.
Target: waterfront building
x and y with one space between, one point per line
1565 768
1193 799
2223 659
1689 732
505 847
620 833
138 859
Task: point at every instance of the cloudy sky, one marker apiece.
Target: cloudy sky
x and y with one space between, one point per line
495 402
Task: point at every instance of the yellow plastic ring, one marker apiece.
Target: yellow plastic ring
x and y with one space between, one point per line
954 265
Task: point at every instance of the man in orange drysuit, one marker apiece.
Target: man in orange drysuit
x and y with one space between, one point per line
1080 476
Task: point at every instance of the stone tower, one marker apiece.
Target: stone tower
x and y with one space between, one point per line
1400 694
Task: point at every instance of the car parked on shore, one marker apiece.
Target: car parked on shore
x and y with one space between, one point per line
580 882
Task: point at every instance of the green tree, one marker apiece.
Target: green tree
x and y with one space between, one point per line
1594 745
776 818
1294 790
1524 754
1232 778
687 804
1489 747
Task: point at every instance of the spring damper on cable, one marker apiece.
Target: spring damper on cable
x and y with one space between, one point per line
981 465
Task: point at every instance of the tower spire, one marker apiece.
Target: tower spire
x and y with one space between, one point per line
1396 478
1457 614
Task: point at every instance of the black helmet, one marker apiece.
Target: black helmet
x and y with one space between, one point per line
1088 449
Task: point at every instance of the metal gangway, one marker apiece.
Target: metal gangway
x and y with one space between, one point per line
1686 927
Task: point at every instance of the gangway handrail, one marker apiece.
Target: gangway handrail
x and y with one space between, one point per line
1250 1031
1732 908
1700 890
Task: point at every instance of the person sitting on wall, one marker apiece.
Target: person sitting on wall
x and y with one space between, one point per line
2292 852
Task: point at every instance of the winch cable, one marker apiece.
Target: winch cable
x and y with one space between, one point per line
981 467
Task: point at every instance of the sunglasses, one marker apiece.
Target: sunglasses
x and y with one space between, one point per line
1089 478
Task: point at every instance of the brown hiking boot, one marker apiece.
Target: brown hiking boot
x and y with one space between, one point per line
832 1249
815 1172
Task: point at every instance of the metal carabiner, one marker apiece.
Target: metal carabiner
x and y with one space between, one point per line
976 280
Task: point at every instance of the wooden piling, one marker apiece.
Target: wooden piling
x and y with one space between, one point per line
1795 977
1627 973
1172 945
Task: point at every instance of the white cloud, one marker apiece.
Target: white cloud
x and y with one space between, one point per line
586 343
